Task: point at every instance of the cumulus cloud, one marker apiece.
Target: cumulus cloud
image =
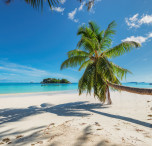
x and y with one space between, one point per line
132 21
147 19
72 14
150 35
58 9
136 22
139 39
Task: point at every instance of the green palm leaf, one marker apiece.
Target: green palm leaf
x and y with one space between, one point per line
119 71
106 70
39 3
87 80
52 3
86 44
73 61
106 40
85 64
121 49
94 27
110 30
77 52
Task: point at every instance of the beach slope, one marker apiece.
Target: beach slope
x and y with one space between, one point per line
66 119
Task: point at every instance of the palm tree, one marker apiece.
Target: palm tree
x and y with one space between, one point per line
94 53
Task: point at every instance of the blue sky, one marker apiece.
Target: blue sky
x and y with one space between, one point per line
33 44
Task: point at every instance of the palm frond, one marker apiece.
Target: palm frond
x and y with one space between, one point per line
110 30
77 52
85 64
106 40
100 36
119 71
94 27
86 82
85 31
39 3
86 44
121 49
73 61
82 30
92 81
100 88
105 68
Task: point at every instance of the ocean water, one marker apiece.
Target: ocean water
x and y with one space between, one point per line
138 85
6 88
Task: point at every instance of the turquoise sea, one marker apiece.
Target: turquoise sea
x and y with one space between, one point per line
6 88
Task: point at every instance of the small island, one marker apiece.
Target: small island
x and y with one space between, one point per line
54 80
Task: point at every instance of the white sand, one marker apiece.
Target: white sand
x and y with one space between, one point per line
66 119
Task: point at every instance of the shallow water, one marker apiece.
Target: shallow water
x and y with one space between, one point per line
6 88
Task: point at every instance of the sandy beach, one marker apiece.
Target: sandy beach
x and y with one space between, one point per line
66 119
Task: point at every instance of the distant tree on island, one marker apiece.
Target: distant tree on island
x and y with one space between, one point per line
54 80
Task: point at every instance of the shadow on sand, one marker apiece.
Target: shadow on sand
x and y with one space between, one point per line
68 109
78 109
84 138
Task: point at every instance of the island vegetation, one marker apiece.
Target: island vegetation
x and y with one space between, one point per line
54 80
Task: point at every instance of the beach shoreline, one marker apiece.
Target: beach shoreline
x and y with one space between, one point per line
38 93
69 119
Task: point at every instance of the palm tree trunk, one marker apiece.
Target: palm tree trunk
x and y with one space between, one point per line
109 99
142 91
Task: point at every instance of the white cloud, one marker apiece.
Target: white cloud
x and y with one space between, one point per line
132 21
134 18
58 9
72 14
81 6
150 35
147 19
88 3
139 39
62 1
21 69
136 22
26 73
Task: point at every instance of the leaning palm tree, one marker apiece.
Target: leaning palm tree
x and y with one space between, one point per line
94 53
